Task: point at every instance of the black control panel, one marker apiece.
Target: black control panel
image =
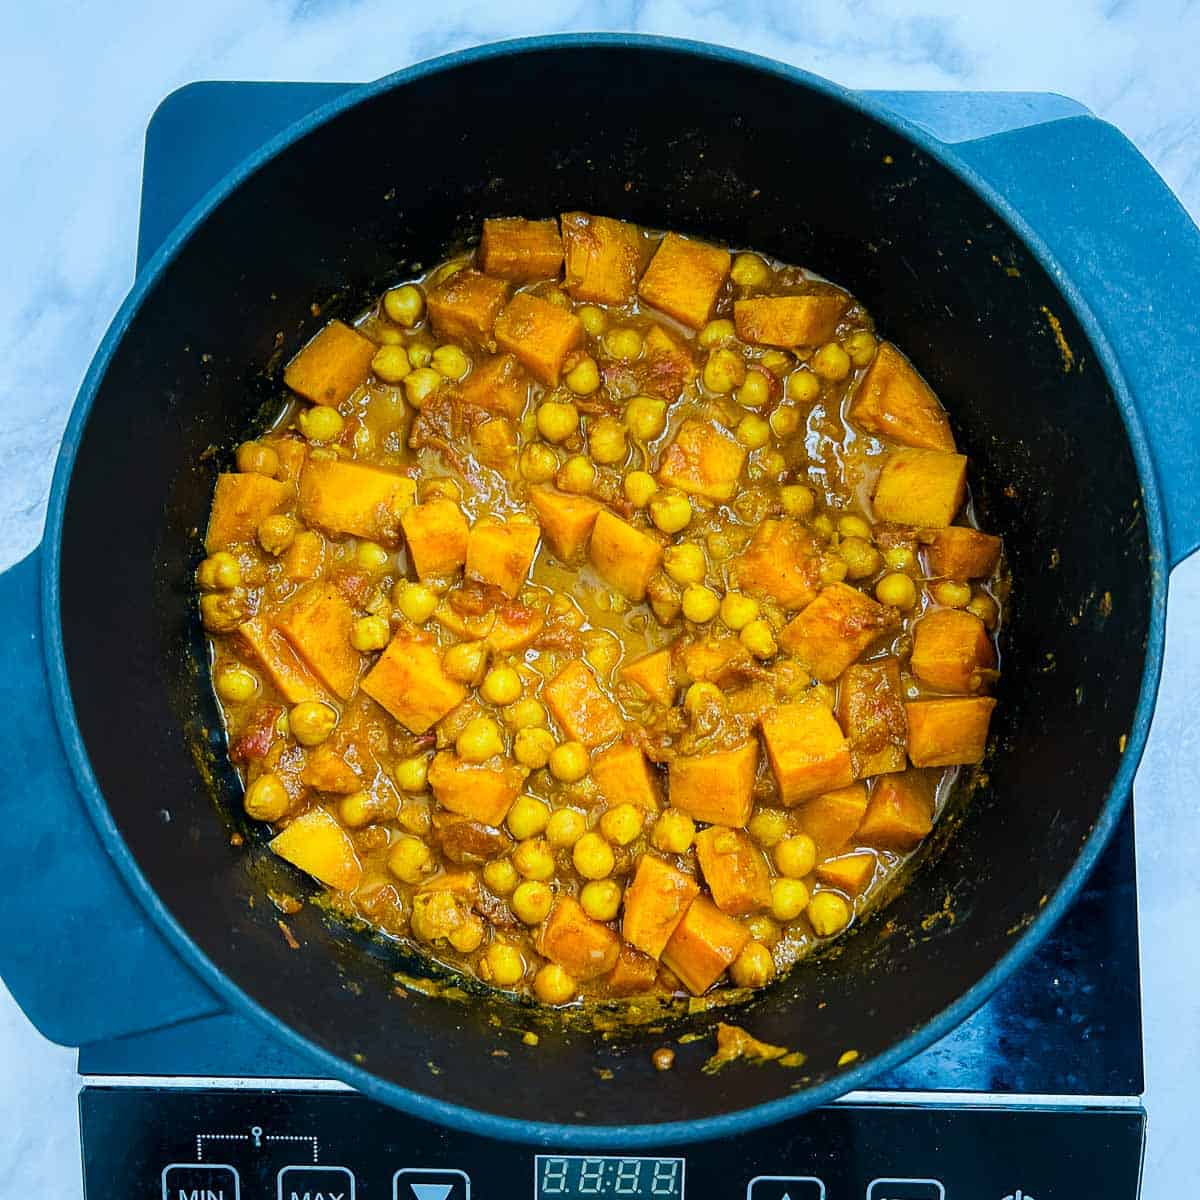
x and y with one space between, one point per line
253 1144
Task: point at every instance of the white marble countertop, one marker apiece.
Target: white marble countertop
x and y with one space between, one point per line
78 86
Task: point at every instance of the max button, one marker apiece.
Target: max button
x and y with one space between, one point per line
184 1181
307 1182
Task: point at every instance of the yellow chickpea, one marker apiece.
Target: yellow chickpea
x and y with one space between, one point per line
552 985
465 661
753 432
371 556
606 441
468 936
254 458
950 593
860 346
569 762
527 817
755 390
985 608
266 798
762 929
501 685
370 633
685 563
622 824
404 305
525 713
576 475
754 967
723 371
362 807
594 319
899 558
828 914
420 384
416 601
222 612
502 965
797 500
896 590
702 695
851 526
639 488
584 377
784 422
789 898
834 570
720 332
412 774
391 364
480 740
321 423
501 876
623 344
673 832
565 828
738 610
795 856
593 857
831 362
409 859
533 859
538 462
236 685
531 901
645 418
450 362
601 899
860 557
533 747
803 387
557 420
768 827
219 572
420 354
778 362
670 511
749 270
277 533
311 722
700 604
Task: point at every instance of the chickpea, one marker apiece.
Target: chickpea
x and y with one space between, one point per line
420 354
860 346
236 685
985 608
584 377
899 558
828 914
768 827
501 685
639 488
593 857
527 817
851 526
754 392
311 722
533 747
896 590
738 610
404 305
594 319
803 386
754 967
723 371
557 420
778 362
373 557
409 859
622 824
860 557
391 364
576 475
277 533
789 898
370 633
502 965
362 807
416 601
538 462
797 500
450 362
762 929
321 423
834 570
420 384
685 563
465 661
533 859
673 832
749 270
950 593
702 695
645 418
784 422
531 901
466 937
565 828
831 362
266 798
569 762
412 774
552 985
222 612
501 876
601 899
753 432
700 604
795 856
623 344
479 740
524 713
219 572
720 332
254 458
670 511
606 440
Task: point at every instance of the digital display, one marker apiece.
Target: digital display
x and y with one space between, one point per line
569 1177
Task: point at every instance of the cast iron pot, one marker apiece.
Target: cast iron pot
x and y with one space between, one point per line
745 152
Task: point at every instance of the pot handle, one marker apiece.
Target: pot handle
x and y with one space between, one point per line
1126 241
77 951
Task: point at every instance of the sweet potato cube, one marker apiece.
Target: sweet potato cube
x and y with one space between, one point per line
895 403
717 787
852 873
494 444
831 818
871 710
718 659
497 385
625 557
327 771
331 365
900 813
318 845
351 497
515 627
734 869
482 792
835 629
582 947
293 454
655 903
945 733
951 649
240 505
921 487
520 250
603 257
436 533
684 277
781 563
789 321
957 552
279 662
581 708
624 777
317 622
666 366
540 334
704 943
634 972
408 681
703 460
807 750
501 553
654 673
465 306
566 519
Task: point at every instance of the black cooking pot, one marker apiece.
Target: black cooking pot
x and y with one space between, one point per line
742 151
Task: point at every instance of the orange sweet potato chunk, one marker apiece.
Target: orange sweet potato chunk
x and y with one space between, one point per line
351 497
703 460
957 552
466 306
921 487
870 709
655 903
625 557
835 629
781 563
807 750
734 869
951 650
704 943
717 659
582 947
634 972
293 454
497 385
482 792
317 622
654 673
540 334
240 505
624 777
789 321
436 533
684 277
895 403
945 733
603 257
279 662
831 818
566 519
494 444
501 553
717 787
317 844
580 706
666 366
900 813
327 771
407 680
520 250
331 366
515 627
851 873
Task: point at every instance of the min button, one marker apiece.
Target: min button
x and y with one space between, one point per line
213 1181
